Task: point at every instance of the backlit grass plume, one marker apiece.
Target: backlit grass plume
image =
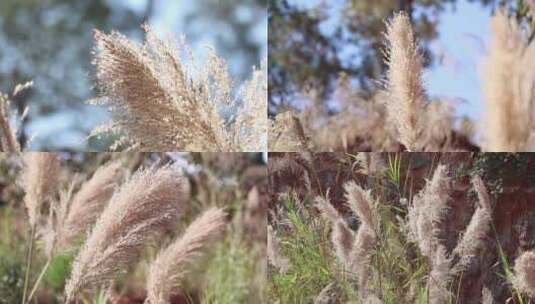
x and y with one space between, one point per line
139 211
171 264
406 93
160 103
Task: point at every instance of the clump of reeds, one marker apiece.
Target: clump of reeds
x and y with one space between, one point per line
8 134
158 104
141 209
171 264
508 78
354 250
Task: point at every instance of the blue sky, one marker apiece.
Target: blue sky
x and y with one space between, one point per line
463 34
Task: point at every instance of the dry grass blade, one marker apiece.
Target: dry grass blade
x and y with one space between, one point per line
406 93
39 180
88 203
140 210
170 265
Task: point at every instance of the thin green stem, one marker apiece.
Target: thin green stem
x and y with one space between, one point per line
28 264
41 275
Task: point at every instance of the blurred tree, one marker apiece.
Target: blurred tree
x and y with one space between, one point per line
241 18
309 47
50 42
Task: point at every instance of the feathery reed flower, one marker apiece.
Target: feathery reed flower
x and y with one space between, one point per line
39 180
158 105
524 279
341 236
407 97
508 78
361 255
88 203
361 203
473 240
440 277
170 265
140 210
427 210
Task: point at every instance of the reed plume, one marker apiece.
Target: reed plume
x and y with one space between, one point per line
140 210
361 256
524 279
87 204
171 264
39 180
440 277
427 210
508 78
473 240
362 205
407 97
341 236
158 105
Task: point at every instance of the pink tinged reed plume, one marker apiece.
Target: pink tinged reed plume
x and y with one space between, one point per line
172 263
407 97
508 80
139 211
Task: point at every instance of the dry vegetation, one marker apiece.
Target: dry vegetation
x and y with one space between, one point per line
402 116
132 228
401 228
